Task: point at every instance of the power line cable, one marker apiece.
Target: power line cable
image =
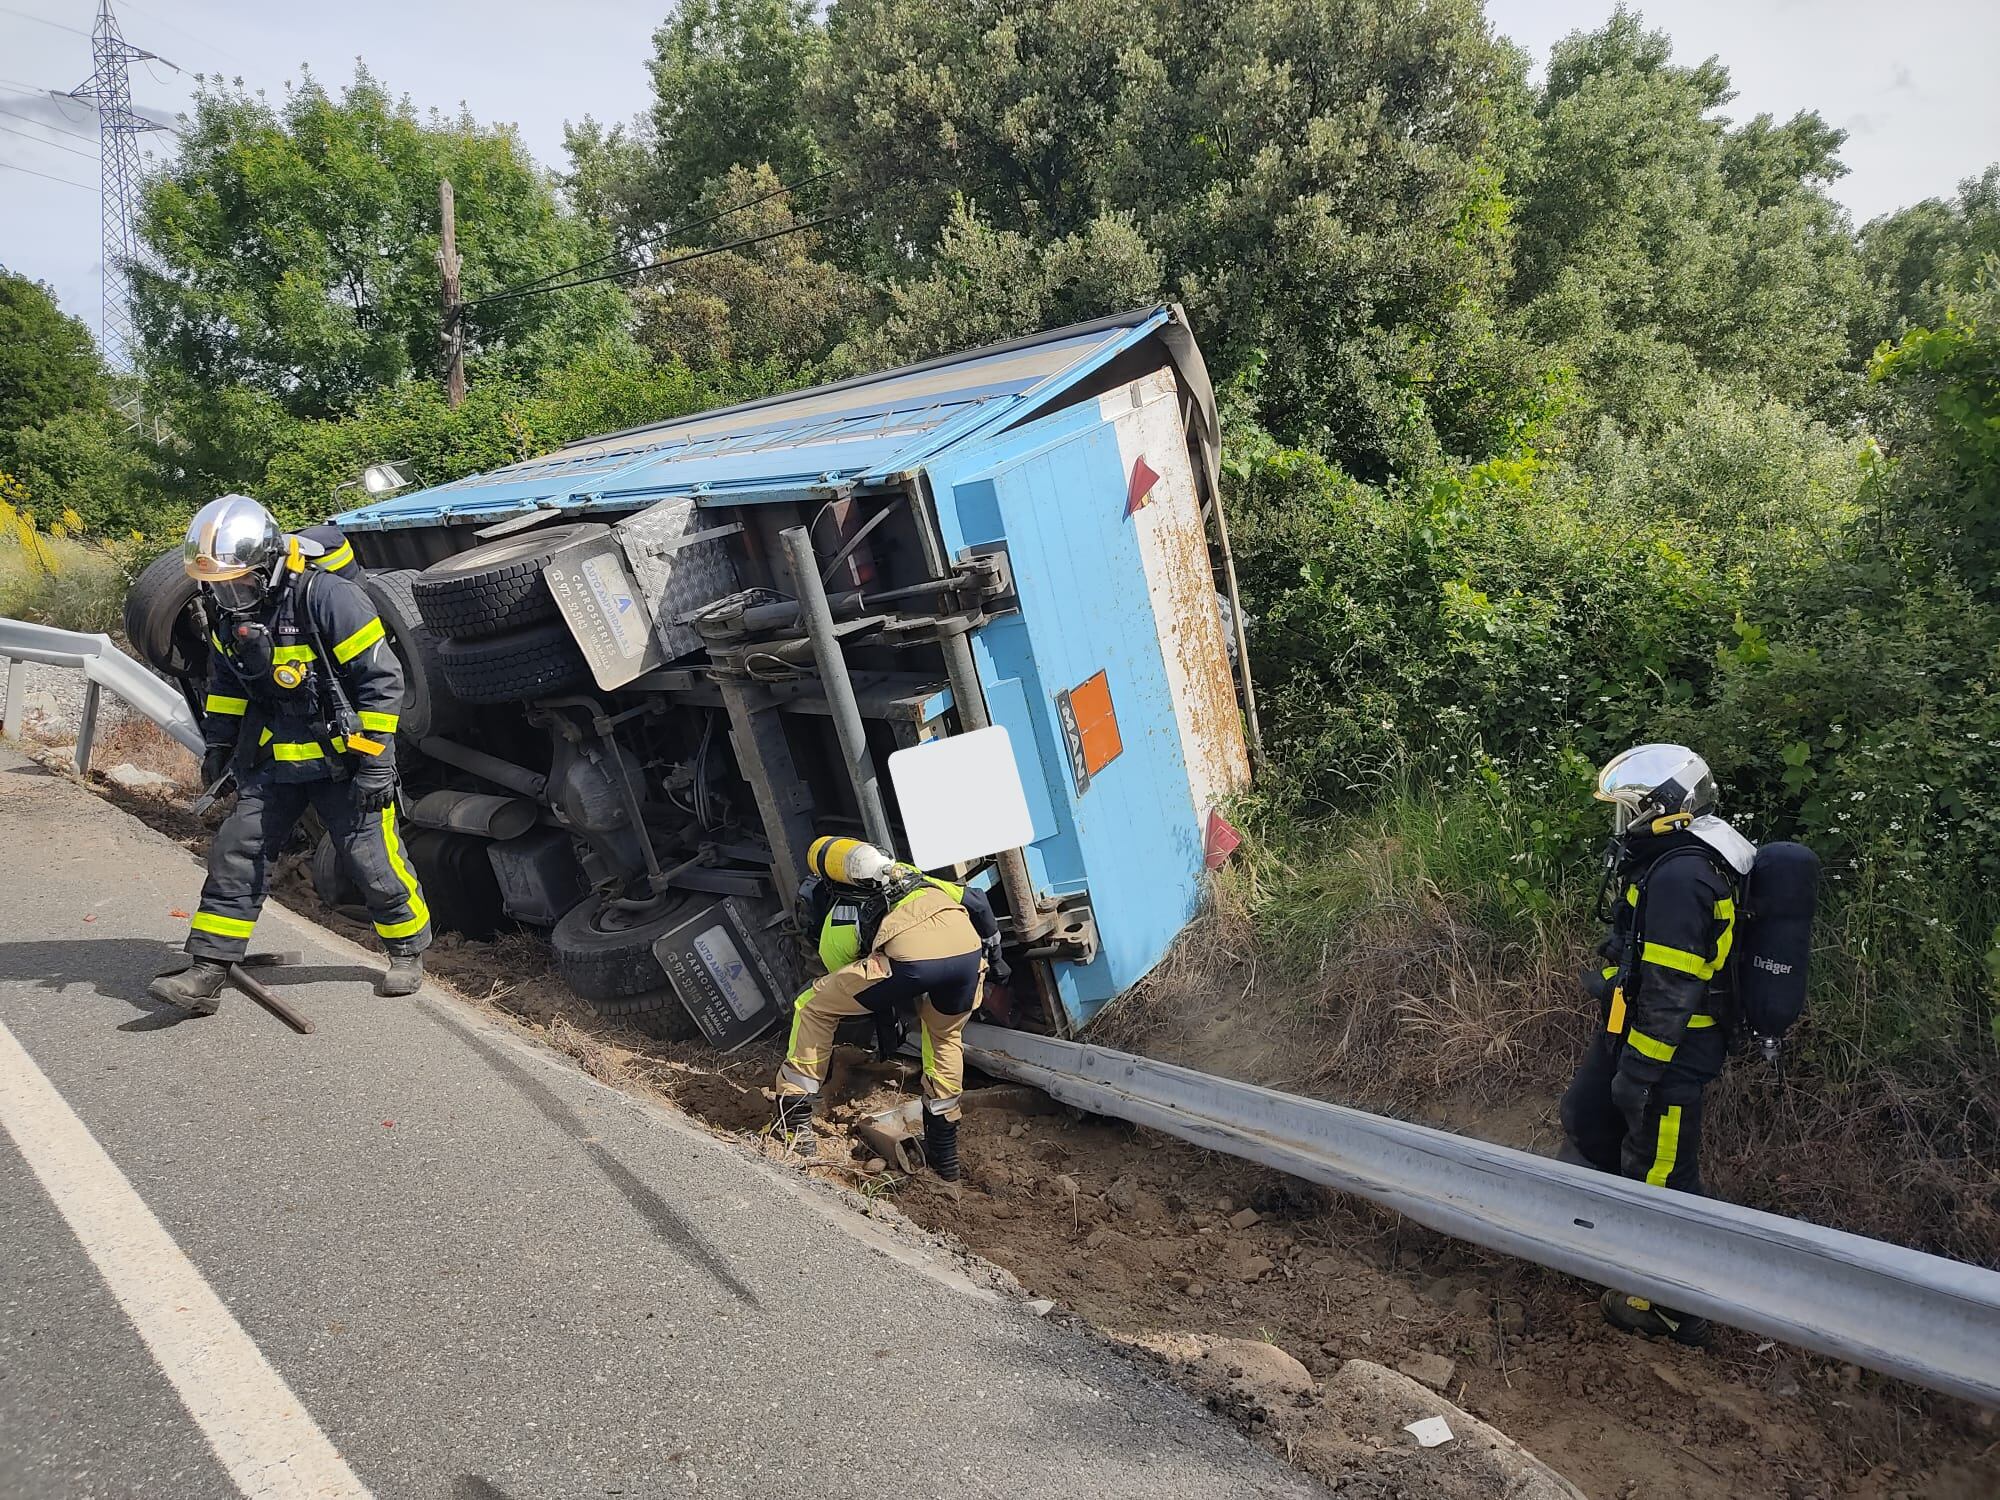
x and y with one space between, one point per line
52 145
668 234
75 135
44 20
658 265
44 94
71 181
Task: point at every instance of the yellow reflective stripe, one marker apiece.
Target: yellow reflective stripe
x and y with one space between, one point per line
338 558
280 654
1679 959
1631 895
1725 907
956 892
217 704
215 640
359 642
1695 1023
1615 1023
1611 971
1668 1149
383 723
421 916
930 1059
1645 1046
264 738
208 921
1726 941
296 750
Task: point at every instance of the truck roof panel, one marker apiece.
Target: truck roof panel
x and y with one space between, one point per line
802 444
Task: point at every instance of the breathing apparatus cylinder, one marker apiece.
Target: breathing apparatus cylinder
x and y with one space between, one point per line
1774 941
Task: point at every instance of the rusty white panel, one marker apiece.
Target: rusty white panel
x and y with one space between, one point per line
1173 543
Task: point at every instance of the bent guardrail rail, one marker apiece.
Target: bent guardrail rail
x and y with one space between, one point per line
1920 1317
104 666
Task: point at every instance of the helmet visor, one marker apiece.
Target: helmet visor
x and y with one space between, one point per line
239 594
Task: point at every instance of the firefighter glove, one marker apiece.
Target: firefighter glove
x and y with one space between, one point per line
374 786
214 762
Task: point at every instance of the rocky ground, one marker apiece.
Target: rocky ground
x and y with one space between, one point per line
1321 1325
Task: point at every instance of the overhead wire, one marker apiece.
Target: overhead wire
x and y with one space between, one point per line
39 141
658 265
59 26
666 234
42 94
12 166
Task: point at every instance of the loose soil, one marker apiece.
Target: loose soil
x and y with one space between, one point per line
1170 1250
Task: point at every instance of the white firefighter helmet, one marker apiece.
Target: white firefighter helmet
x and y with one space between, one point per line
235 547
1651 782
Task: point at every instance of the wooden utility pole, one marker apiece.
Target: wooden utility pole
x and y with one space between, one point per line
454 310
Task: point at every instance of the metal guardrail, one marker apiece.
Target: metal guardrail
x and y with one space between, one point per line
104 666
1919 1317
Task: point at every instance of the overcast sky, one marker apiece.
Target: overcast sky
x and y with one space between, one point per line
1912 83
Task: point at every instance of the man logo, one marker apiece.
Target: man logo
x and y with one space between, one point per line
1769 965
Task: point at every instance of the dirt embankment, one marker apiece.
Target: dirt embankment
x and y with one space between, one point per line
1201 1264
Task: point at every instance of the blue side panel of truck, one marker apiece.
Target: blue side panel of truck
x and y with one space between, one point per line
1054 493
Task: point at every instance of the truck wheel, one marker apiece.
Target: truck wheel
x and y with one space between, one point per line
428 705
605 953
538 662
497 587
160 625
657 1013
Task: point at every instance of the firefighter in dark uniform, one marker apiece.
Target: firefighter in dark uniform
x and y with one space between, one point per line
892 939
1635 1105
303 698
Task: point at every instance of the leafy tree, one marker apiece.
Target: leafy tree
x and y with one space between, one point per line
1923 257
1656 248
1314 179
298 253
986 285
49 363
775 302
728 76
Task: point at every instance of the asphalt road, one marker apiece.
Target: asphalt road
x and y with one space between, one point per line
481 1274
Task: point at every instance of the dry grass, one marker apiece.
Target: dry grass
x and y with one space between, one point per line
1356 975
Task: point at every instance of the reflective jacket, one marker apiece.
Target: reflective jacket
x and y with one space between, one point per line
335 553
852 921
1660 977
273 700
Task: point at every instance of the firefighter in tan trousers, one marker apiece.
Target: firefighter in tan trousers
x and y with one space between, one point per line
907 941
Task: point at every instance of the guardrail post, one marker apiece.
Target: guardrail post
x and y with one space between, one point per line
17 698
86 731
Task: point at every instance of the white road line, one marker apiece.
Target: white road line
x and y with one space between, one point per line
258 1428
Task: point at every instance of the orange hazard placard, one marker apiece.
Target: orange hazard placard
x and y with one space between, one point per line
1090 728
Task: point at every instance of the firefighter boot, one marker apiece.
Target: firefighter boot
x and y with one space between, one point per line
405 975
1637 1315
941 1145
196 990
793 1125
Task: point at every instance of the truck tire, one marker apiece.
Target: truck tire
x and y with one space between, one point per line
657 1013
538 662
428 705
604 953
159 624
498 587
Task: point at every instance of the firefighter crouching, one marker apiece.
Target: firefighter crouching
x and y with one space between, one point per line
303 697
893 939
1635 1105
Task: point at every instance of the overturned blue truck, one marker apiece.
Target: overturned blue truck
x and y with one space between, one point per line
979 610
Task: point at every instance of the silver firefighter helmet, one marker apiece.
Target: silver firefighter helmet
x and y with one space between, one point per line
1650 782
234 546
